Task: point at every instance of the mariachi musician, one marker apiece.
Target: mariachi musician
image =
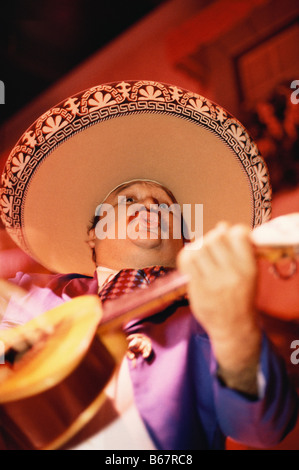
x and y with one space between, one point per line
201 368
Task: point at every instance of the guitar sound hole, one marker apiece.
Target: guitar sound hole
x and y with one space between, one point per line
12 356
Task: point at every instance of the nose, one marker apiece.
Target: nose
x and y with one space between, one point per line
148 201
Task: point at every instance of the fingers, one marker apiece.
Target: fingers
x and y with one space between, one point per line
225 247
242 250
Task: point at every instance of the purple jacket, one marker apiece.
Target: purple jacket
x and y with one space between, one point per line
180 399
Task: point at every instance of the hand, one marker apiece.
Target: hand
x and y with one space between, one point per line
7 291
223 275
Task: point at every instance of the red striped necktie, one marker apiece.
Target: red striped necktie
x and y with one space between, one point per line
127 280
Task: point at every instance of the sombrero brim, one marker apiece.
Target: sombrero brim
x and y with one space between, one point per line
71 157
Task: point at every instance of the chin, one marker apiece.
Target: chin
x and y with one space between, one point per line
154 252
148 242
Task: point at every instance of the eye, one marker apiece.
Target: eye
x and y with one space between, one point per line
126 199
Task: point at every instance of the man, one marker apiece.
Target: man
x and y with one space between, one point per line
222 274
198 373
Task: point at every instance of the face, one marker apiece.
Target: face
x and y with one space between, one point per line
140 230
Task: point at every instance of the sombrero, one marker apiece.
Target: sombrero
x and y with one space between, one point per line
75 153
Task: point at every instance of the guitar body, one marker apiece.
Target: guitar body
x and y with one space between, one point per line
57 387
49 419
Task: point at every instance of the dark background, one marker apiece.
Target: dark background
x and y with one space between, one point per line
40 41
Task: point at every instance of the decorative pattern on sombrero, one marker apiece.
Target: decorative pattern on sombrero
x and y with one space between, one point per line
105 102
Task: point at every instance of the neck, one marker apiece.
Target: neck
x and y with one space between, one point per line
137 260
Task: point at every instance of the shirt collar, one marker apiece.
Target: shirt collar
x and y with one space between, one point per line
104 275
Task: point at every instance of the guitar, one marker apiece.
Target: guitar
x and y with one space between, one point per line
50 360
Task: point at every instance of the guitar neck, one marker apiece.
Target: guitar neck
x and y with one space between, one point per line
143 303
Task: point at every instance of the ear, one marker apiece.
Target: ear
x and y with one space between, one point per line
91 238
